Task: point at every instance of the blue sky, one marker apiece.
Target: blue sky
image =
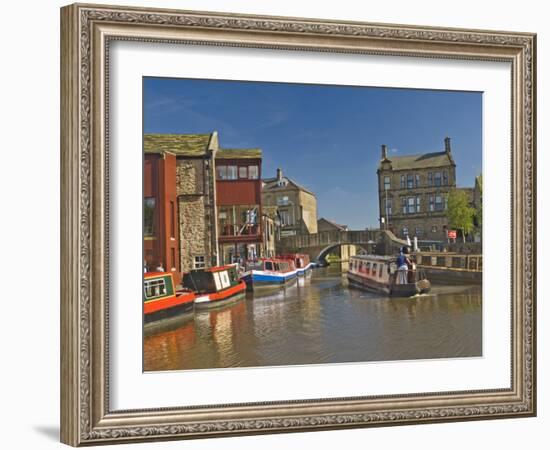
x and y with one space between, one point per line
326 138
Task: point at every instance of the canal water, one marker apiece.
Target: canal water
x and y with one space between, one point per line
320 320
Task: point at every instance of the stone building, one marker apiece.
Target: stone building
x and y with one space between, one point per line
239 204
296 205
328 225
196 194
270 230
412 193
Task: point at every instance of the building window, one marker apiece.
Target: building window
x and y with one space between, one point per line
173 258
445 178
199 262
253 172
387 207
221 171
386 183
283 201
434 228
418 231
405 231
402 181
417 180
404 205
149 216
172 220
243 172
437 179
238 220
286 218
410 181
430 179
411 206
439 203
446 198
231 173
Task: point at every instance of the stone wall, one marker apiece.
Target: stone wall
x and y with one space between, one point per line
190 176
196 220
425 224
308 202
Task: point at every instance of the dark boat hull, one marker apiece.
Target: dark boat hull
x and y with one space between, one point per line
177 310
221 298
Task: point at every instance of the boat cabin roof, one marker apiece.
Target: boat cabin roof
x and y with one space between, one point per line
149 275
220 268
374 258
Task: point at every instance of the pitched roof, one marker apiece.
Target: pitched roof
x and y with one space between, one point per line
239 153
334 224
179 144
425 160
271 185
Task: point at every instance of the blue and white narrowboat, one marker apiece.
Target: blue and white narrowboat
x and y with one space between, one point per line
269 273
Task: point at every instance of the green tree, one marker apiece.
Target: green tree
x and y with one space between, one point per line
479 206
460 213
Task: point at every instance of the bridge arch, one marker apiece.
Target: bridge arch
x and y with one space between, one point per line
328 249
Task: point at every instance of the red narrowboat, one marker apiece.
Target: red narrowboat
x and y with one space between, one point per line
301 262
160 299
215 286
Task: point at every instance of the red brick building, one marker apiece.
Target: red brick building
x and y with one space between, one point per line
239 204
160 224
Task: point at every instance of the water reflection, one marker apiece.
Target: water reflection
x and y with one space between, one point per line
320 319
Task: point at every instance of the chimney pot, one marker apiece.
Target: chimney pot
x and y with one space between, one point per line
384 151
448 145
279 174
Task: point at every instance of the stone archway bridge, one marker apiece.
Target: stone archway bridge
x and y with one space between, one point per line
319 245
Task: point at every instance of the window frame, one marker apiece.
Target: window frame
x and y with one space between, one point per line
196 264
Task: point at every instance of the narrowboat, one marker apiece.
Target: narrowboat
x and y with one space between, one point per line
379 273
301 262
160 299
269 273
215 286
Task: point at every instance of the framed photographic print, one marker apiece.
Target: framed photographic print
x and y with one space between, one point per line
276 224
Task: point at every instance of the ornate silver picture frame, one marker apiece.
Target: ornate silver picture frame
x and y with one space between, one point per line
87 33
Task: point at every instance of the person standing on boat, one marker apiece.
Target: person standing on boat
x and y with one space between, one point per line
160 268
402 267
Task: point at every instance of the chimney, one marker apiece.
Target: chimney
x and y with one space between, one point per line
384 151
447 145
279 174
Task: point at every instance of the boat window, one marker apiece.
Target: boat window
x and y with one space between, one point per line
154 288
217 281
268 265
380 271
374 269
368 268
224 278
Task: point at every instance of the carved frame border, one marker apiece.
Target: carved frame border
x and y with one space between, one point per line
86 32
